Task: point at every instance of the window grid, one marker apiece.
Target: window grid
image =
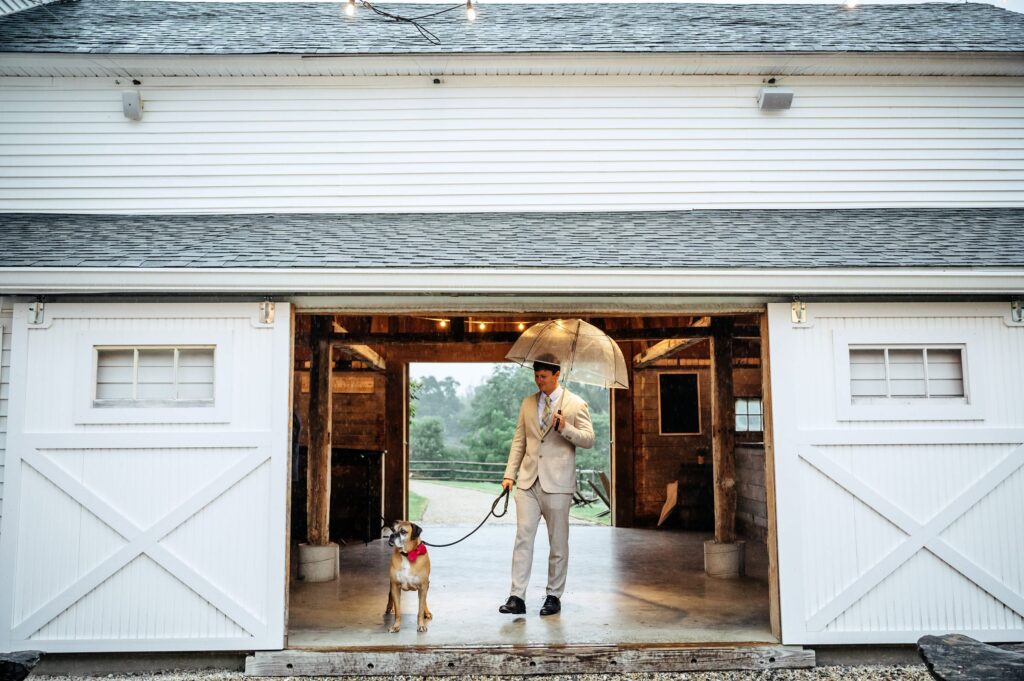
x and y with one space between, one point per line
926 374
749 415
175 398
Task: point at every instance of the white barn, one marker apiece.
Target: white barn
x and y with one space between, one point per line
287 160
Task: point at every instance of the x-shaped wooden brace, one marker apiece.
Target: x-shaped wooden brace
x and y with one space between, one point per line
141 541
918 535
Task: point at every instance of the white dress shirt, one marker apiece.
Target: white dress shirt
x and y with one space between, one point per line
556 395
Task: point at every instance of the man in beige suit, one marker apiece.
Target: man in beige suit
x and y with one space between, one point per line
552 423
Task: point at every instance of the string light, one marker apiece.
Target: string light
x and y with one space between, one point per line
521 326
482 326
470 10
350 8
430 36
443 323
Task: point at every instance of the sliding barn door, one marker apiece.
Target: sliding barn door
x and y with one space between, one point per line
899 445
144 501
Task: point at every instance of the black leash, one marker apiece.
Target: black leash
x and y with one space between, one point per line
505 494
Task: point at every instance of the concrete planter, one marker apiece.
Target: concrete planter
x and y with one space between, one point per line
726 561
318 563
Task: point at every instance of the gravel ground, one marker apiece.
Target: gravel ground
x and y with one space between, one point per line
868 673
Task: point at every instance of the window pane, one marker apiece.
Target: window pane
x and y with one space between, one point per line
755 407
867 373
195 357
114 370
741 422
195 391
755 424
906 372
945 372
155 391
741 406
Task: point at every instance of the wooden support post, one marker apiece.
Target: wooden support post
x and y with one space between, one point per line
396 421
318 478
774 609
623 447
723 437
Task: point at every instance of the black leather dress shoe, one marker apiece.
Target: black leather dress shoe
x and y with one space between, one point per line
513 606
552 606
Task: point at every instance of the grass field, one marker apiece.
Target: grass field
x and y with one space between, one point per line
417 505
588 513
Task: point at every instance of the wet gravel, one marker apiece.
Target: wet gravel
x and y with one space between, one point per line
860 673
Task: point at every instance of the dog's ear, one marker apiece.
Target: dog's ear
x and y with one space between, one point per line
416 530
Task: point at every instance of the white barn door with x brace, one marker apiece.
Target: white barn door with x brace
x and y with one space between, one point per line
144 504
899 457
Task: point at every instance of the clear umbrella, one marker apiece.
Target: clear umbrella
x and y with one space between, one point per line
586 353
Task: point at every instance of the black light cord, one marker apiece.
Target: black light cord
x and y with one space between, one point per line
430 36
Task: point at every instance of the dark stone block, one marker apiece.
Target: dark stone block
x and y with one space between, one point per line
955 657
16 666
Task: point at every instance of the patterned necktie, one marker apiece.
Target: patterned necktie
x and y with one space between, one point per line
545 418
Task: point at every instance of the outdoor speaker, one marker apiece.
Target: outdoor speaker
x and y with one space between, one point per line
131 102
774 99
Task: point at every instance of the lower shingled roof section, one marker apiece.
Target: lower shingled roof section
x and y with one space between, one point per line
848 238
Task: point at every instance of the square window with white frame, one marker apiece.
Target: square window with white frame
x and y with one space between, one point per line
749 415
880 374
154 376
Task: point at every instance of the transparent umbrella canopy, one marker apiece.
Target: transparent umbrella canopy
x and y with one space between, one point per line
586 353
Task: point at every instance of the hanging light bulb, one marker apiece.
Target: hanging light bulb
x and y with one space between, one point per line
350 8
482 326
443 323
470 10
521 326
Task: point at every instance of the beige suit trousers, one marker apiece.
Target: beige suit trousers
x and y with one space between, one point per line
531 505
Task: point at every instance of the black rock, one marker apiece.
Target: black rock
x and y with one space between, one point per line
955 657
16 666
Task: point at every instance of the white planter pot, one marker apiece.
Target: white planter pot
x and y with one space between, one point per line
726 561
318 563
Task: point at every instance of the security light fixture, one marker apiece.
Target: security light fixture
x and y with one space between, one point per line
131 104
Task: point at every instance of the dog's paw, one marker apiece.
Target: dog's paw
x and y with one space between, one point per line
394 629
421 628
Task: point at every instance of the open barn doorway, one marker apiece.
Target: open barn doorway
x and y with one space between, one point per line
462 418
640 581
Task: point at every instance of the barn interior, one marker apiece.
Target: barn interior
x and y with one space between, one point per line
639 581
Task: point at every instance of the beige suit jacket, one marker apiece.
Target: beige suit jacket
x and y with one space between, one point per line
550 456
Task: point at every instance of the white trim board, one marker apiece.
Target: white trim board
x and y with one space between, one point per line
50 280
554 63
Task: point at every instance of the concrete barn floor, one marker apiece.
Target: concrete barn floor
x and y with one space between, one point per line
624 586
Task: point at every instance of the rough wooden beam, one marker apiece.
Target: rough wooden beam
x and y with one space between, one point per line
363 353
772 542
723 426
665 349
624 447
396 402
512 336
318 472
526 660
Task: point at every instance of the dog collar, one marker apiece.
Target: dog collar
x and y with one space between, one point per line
416 553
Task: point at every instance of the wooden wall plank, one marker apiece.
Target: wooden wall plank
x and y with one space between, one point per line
396 409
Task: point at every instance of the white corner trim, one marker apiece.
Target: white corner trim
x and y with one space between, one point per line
788 282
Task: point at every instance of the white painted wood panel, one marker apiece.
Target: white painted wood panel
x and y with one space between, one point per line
5 379
508 144
889 530
137 535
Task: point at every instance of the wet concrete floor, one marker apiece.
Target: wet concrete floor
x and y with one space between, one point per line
625 586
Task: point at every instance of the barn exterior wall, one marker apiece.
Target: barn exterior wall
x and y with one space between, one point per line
5 380
904 520
508 144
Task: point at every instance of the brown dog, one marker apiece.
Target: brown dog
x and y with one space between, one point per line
410 571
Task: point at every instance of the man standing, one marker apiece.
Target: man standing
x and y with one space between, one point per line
552 423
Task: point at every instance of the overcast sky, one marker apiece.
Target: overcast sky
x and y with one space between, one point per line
468 374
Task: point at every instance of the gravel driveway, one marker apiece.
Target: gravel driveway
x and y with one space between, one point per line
873 673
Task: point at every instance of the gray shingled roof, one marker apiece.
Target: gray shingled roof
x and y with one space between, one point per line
129 26
878 237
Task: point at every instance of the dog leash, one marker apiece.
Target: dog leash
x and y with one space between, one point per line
504 494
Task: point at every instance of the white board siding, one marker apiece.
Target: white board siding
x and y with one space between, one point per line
5 380
859 562
158 536
508 144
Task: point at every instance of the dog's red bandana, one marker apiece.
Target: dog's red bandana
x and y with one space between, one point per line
416 553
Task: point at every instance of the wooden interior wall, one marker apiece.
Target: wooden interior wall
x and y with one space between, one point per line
358 416
657 457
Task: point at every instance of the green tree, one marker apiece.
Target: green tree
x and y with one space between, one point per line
426 439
